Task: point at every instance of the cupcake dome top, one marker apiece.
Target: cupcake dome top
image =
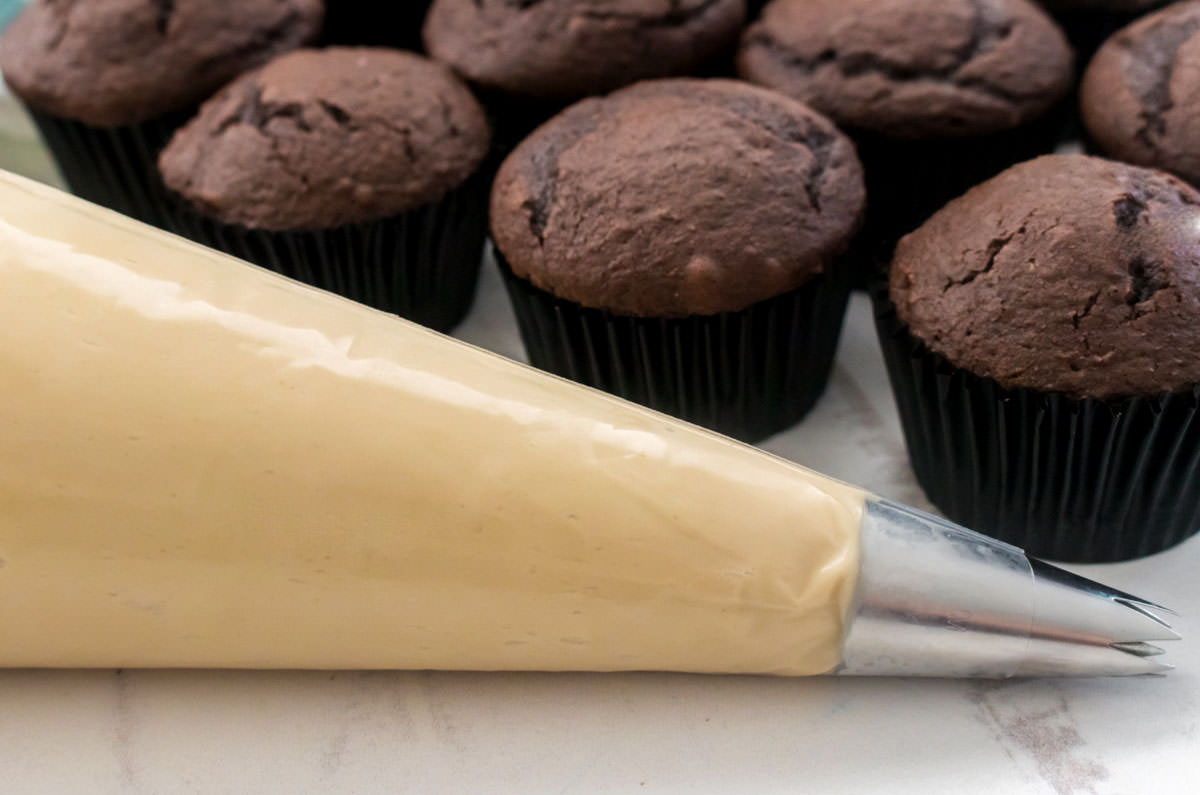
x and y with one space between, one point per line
114 62
323 138
1067 273
1141 93
676 198
912 68
567 49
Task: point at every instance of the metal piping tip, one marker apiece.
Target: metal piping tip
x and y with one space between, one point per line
1068 578
1071 659
1095 612
936 599
1140 649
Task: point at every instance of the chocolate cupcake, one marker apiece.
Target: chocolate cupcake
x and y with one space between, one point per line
1140 97
396 23
529 60
1089 22
679 243
937 94
1042 335
352 169
108 81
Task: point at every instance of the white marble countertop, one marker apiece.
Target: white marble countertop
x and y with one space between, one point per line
298 732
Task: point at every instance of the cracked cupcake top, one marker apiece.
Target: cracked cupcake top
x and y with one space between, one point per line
1066 274
912 68
678 197
322 138
115 62
1141 93
567 49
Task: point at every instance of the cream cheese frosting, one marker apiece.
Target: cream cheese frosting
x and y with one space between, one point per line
204 464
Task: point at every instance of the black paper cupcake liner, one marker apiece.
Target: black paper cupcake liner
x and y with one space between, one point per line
116 167
370 23
908 181
1087 30
513 118
746 374
422 265
1085 481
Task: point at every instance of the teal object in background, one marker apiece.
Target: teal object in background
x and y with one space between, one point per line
21 151
8 10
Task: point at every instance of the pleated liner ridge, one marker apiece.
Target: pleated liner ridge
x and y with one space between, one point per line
1065 479
115 167
422 265
746 374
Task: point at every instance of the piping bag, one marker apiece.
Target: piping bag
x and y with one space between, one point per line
203 464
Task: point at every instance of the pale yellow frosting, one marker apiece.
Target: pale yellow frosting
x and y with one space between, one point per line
204 464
